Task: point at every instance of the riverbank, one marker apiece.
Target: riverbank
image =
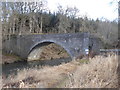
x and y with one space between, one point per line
9 58
99 72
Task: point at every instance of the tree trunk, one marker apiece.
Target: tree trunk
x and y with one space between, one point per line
13 26
41 25
30 24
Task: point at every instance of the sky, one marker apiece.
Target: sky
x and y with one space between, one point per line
91 8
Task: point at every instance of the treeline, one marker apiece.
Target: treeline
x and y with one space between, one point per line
21 18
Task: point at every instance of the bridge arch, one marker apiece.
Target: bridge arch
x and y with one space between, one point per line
43 43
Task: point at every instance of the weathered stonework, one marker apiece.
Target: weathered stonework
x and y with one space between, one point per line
74 43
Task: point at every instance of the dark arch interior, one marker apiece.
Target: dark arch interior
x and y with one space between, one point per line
52 61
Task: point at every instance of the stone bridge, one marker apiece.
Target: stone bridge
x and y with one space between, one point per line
75 44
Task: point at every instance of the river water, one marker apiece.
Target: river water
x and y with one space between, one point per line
12 68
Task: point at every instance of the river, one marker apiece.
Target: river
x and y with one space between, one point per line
12 68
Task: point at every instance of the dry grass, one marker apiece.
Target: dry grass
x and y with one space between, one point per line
99 72
7 58
49 52
53 51
39 78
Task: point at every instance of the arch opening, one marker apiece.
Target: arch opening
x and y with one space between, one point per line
47 51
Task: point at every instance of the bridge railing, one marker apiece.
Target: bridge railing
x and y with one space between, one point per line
117 51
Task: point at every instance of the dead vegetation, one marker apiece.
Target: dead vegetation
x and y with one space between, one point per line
101 72
7 58
98 72
46 77
53 51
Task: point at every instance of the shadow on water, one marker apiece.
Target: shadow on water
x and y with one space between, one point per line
12 68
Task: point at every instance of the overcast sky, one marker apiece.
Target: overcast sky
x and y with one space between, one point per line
92 8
